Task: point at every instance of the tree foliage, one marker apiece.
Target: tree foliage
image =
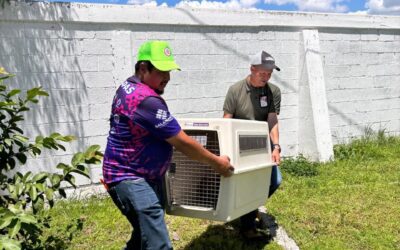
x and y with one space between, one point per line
25 196
3 3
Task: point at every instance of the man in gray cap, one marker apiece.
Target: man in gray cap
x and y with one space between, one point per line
254 98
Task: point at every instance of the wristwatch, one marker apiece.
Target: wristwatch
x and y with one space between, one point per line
276 146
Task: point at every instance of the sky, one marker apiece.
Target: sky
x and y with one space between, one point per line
374 7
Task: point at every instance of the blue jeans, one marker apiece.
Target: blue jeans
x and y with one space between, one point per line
248 221
141 202
276 180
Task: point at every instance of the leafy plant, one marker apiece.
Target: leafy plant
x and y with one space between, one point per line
368 147
299 166
25 196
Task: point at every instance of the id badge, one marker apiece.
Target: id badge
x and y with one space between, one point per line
263 101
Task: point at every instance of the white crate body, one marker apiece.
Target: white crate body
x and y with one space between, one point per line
196 190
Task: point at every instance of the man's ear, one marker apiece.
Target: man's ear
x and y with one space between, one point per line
142 68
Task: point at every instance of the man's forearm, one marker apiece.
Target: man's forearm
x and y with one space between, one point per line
273 128
274 134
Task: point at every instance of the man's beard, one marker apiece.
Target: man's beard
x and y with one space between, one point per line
160 92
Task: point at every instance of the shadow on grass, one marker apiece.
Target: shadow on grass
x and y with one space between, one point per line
228 237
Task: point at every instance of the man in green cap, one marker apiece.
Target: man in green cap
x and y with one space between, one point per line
139 147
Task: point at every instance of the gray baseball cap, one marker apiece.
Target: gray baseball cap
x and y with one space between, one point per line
264 59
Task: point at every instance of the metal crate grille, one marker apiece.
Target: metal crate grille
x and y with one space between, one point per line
192 183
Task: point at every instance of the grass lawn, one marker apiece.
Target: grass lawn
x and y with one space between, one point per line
350 203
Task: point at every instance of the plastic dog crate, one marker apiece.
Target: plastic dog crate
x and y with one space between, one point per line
195 190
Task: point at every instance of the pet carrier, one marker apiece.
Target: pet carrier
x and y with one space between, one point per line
195 190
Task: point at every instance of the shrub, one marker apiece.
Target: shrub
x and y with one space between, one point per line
299 166
25 196
370 146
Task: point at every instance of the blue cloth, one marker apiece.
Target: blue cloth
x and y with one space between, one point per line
276 180
141 202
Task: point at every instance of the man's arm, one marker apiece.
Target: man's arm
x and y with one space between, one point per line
274 136
194 150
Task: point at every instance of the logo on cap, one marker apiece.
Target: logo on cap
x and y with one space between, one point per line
167 51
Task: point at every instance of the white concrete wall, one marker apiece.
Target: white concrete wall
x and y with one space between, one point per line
80 53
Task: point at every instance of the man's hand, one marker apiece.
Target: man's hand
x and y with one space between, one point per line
224 166
276 156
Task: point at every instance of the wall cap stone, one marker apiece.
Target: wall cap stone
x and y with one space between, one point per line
131 14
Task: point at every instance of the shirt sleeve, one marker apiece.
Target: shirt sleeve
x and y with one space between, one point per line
277 100
229 103
271 101
153 115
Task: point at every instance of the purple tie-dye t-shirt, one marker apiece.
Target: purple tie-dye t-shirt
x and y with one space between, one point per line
139 124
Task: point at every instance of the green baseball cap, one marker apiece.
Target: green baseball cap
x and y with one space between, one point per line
159 54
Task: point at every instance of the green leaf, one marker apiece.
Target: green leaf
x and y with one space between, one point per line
16 118
23 109
8 142
67 138
55 179
11 188
6 219
78 158
40 177
49 142
91 151
62 166
27 176
11 163
61 146
16 209
40 187
19 189
5 104
62 192
36 151
43 93
55 135
20 138
82 170
33 193
49 193
38 205
9 244
70 179
21 157
27 218
17 129
13 92
30 94
39 139
15 229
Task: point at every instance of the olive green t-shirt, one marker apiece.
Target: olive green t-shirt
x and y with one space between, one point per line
244 101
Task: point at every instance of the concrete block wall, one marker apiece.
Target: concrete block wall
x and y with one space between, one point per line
362 69
80 53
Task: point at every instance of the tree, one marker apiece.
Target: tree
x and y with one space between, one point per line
26 196
3 3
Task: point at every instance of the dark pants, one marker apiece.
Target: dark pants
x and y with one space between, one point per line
248 221
141 202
